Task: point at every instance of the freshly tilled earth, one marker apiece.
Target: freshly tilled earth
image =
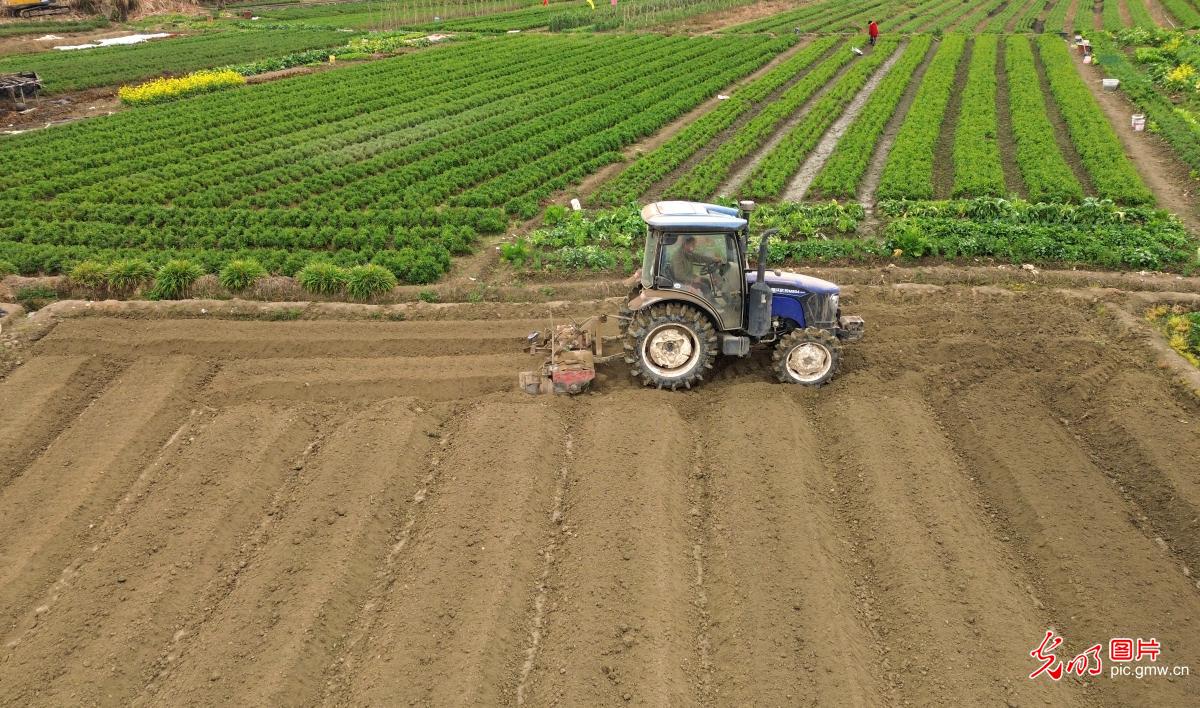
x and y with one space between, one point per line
198 512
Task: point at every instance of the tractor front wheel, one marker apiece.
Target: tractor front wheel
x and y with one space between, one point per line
807 356
670 346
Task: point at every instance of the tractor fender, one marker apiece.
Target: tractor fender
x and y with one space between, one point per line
646 298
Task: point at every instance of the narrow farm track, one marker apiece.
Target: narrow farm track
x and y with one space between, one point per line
943 160
744 168
214 523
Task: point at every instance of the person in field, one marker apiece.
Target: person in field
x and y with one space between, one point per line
873 32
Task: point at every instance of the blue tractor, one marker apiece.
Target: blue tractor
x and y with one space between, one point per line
696 298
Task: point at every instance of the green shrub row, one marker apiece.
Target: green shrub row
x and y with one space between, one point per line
977 168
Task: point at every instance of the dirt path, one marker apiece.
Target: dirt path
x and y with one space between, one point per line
1123 12
744 168
1014 182
207 522
812 165
1072 12
724 19
1161 17
656 190
1163 173
888 137
943 160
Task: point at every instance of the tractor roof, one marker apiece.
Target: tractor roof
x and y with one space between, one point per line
691 216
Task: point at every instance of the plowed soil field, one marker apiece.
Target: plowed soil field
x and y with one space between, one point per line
198 512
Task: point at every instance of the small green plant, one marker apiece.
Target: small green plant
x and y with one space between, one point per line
366 281
90 275
322 278
6 268
555 213
427 296
174 280
239 275
129 275
35 297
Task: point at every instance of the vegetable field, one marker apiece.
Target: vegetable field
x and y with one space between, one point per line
370 163
405 162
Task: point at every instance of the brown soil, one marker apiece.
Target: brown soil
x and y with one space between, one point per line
1163 172
891 130
943 153
983 22
1007 143
214 512
724 19
46 111
1098 14
28 43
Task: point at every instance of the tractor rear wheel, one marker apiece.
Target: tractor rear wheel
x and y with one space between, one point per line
670 346
809 357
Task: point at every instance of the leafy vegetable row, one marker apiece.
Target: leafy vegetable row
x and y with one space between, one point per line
1099 147
654 166
703 180
909 169
977 168
772 175
1045 171
846 166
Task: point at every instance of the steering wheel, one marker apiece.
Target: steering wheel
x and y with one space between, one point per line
715 267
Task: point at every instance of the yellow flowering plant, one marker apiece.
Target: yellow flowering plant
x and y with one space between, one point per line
169 89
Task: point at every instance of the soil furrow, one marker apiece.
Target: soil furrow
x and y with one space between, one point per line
741 170
49 510
453 626
1061 134
915 493
803 179
621 626
1007 143
784 629
281 624
1102 577
219 480
888 138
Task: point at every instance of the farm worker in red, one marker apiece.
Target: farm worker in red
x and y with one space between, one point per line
873 32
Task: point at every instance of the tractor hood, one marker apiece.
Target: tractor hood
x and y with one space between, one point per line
784 279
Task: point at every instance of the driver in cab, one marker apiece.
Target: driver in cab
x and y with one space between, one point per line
686 265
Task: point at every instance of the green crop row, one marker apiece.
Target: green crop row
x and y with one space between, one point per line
1099 147
654 166
1000 20
844 170
1046 173
977 168
1139 15
1173 123
772 175
922 14
41 27
703 180
1185 13
109 66
1110 15
424 165
909 169
1056 19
